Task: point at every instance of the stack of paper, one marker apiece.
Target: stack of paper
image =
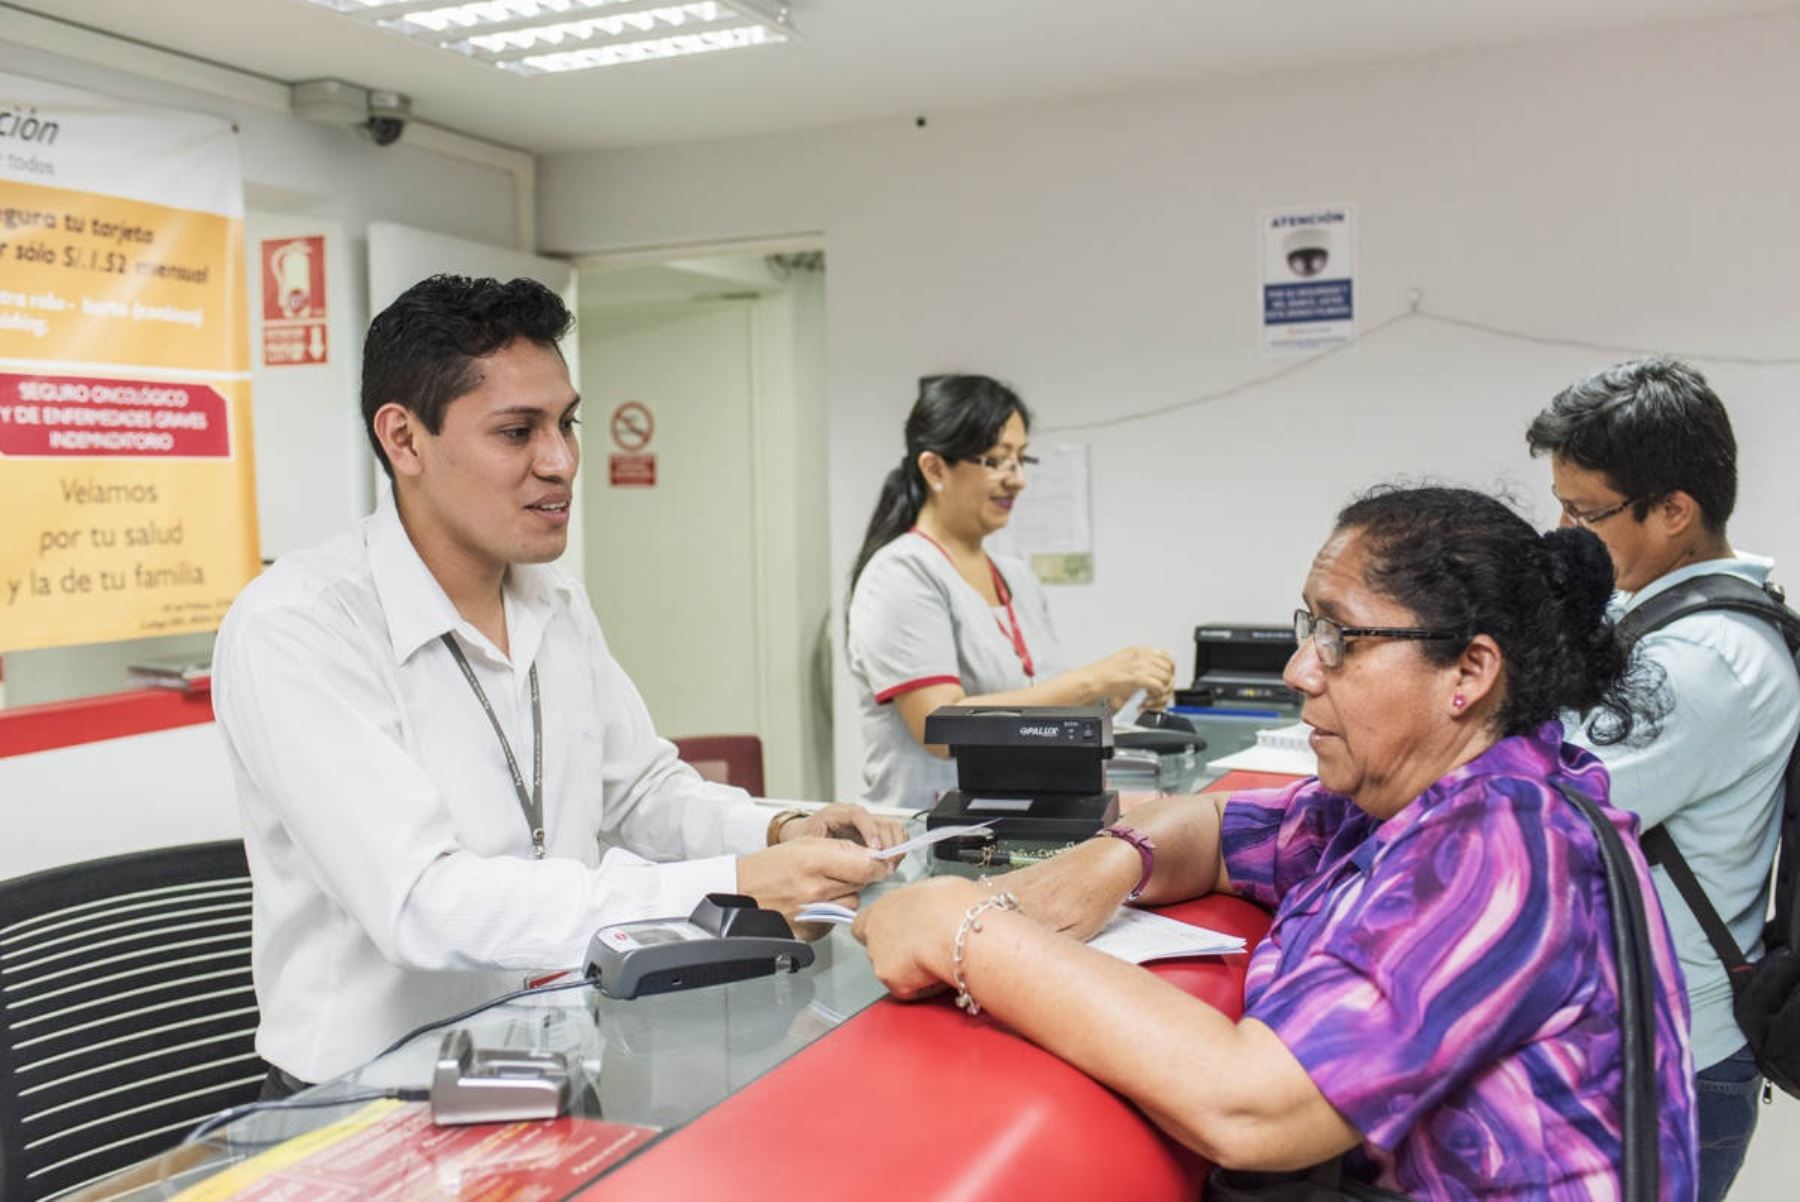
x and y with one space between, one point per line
1138 937
1279 749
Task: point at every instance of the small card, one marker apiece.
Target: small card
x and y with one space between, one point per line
824 912
928 838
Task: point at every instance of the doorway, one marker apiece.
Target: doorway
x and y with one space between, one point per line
705 508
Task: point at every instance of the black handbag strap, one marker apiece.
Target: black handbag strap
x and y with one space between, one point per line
1639 1095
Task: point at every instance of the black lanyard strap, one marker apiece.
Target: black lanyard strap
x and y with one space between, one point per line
532 802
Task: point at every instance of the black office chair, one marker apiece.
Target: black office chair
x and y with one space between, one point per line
126 1011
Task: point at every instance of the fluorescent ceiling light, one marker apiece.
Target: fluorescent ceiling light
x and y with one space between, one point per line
532 37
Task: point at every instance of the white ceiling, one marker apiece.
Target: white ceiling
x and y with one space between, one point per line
861 59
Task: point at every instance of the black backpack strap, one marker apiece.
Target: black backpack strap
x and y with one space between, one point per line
1659 848
1733 594
1716 591
1640 1097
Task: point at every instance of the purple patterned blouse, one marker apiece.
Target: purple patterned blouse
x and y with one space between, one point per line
1447 977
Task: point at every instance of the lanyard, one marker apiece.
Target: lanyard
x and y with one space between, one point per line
1015 635
531 803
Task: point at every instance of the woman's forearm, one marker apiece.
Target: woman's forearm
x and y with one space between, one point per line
1190 859
1231 1091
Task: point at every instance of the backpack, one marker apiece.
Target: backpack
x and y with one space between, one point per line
1766 993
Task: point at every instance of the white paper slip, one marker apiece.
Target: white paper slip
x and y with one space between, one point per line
1138 937
1281 749
928 838
824 912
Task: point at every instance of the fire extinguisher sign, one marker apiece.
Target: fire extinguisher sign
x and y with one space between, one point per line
293 308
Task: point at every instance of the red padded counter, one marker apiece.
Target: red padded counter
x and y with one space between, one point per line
919 1101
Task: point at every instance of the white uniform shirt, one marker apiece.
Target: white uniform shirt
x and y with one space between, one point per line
914 622
394 882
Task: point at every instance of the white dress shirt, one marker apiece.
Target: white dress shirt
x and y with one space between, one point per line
394 880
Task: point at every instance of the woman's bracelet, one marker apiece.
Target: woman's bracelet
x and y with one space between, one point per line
1146 850
971 921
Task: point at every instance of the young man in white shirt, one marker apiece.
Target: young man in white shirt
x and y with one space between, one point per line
1643 455
429 733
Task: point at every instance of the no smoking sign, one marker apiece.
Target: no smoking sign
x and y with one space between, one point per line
632 427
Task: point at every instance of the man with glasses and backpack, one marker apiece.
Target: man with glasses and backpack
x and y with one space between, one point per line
1643 455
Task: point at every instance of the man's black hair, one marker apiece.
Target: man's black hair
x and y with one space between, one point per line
423 350
1650 426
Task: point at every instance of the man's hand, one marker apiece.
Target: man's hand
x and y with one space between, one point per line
840 820
808 869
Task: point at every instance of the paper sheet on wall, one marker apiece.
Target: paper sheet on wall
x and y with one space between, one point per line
1051 527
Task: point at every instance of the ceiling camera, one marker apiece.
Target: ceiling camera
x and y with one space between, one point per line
388 114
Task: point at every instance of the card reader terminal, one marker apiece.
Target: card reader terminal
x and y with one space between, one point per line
726 938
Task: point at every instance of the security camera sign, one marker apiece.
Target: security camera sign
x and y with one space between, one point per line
1308 277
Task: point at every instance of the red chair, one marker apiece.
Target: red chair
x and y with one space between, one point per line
727 759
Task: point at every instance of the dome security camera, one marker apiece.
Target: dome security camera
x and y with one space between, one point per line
388 114
1308 251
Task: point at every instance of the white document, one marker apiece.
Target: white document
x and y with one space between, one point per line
928 838
824 912
1137 937
1282 749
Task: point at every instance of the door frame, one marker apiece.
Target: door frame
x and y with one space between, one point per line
815 762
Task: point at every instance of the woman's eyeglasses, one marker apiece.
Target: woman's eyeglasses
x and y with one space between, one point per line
1329 638
1003 467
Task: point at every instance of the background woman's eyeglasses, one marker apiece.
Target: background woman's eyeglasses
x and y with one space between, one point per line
1004 467
1329 638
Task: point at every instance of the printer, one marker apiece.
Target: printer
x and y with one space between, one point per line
1236 662
1035 772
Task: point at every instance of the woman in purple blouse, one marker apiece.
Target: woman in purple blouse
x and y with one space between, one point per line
1438 993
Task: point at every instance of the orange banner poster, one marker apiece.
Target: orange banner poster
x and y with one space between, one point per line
127 503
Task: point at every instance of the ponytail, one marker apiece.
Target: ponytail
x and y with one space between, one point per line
902 496
1597 675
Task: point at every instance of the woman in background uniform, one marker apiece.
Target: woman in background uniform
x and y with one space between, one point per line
935 620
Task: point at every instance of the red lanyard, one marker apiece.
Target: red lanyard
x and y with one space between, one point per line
1015 635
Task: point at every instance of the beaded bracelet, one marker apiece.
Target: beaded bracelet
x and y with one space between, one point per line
971 921
1146 849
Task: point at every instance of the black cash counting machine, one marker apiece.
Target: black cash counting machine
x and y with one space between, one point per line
1034 772
1235 663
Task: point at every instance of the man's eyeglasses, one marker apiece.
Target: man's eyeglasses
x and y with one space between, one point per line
1003 467
1329 638
1598 515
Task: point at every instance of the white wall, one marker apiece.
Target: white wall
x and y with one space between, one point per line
1631 189
171 787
